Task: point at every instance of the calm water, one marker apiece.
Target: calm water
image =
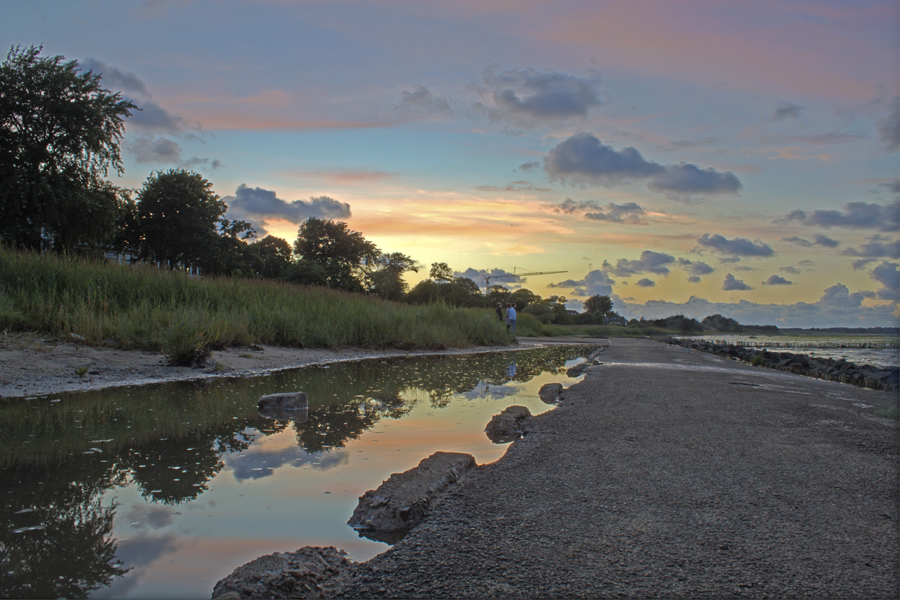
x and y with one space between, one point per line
160 491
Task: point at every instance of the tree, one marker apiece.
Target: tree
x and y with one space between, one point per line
523 297
441 272
177 217
342 253
59 135
274 254
598 305
386 279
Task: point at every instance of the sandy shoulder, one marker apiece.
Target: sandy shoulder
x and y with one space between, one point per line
34 365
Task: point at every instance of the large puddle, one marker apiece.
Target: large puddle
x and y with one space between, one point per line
160 491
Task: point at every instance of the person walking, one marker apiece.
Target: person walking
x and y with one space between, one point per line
500 311
511 318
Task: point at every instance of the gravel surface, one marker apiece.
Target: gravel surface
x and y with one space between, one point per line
668 472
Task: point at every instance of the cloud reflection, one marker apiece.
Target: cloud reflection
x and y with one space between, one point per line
257 463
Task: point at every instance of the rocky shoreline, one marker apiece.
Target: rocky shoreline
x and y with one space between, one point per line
842 371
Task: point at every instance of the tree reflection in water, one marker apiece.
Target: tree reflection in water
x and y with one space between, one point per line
56 540
58 459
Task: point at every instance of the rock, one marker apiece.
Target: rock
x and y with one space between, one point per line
549 392
401 502
578 369
509 425
287 407
310 572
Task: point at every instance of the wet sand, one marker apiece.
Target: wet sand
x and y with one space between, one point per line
34 365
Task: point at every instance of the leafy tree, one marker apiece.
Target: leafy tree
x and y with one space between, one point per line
523 297
424 292
177 217
340 252
59 135
496 293
441 272
462 291
305 272
541 311
599 305
274 254
387 277
561 314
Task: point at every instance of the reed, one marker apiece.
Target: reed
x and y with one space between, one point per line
147 308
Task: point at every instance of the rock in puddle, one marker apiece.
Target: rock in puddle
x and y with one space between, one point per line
509 425
403 500
549 392
310 572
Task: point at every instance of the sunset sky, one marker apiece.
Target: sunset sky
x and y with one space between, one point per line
684 157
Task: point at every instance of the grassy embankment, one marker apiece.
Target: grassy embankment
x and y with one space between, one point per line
184 317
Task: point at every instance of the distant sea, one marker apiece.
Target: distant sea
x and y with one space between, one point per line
876 350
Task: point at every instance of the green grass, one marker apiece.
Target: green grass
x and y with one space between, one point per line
147 308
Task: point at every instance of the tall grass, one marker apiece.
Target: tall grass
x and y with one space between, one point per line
143 307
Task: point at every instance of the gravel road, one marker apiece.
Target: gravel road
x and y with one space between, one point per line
669 472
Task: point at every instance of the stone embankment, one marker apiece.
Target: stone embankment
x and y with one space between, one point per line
867 376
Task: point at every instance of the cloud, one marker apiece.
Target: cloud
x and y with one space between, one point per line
689 179
877 247
583 159
530 166
515 186
777 280
854 215
595 283
646 282
528 96
818 240
695 268
650 262
824 240
151 115
422 104
257 205
619 213
888 275
786 110
128 83
837 308
570 206
892 186
732 284
736 247
165 151
494 277
889 127
839 296
159 150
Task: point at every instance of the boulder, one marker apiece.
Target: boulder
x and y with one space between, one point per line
292 406
577 369
403 500
310 572
550 392
509 425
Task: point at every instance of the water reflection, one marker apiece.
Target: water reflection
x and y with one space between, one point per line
59 455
